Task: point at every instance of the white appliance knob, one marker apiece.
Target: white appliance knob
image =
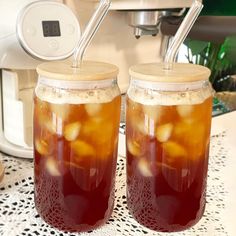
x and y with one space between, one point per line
53 44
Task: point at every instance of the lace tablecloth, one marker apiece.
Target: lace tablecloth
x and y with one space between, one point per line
19 217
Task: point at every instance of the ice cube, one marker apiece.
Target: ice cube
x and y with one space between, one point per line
145 126
98 131
185 130
48 124
163 132
41 111
82 148
182 130
193 136
174 150
71 131
140 126
60 110
198 142
104 139
41 106
93 171
89 127
93 109
52 167
164 166
152 111
144 168
42 146
102 134
133 147
184 110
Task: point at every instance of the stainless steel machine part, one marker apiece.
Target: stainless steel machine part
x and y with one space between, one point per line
147 22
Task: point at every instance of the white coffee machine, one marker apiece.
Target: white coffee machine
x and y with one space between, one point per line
30 31
33 31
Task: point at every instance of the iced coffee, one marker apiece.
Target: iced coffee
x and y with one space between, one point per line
76 121
168 123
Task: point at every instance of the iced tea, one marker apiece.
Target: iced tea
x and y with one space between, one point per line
167 161
75 162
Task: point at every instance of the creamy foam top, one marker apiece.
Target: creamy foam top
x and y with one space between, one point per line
77 93
169 93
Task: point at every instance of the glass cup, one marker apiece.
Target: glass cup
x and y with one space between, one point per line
168 121
76 123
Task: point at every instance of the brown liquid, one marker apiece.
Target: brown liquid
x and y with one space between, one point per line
167 161
75 162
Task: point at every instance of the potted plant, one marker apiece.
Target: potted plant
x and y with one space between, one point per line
221 60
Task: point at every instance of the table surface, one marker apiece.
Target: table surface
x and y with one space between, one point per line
19 217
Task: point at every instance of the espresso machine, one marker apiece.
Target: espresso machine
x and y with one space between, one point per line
33 31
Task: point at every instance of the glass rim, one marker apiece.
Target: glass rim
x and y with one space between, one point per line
169 86
76 84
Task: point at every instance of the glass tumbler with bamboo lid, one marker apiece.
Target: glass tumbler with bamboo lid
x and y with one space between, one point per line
168 122
76 123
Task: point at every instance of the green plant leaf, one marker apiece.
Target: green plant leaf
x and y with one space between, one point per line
196 46
219 58
228 49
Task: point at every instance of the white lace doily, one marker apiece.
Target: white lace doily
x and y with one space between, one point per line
19 217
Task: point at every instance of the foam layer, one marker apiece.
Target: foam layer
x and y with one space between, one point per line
154 97
76 96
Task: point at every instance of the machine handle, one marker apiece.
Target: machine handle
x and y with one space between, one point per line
206 28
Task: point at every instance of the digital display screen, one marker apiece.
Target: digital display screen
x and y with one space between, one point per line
51 28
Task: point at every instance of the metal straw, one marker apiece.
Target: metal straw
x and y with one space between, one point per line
90 30
182 33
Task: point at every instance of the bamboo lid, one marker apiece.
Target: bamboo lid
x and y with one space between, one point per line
181 72
1 171
90 70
